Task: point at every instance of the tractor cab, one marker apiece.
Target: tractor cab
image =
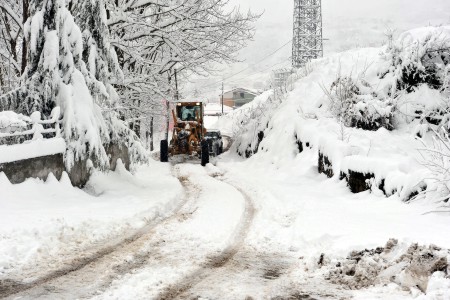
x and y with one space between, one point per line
187 113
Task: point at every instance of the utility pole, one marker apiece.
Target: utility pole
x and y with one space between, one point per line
152 147
222 97
176 86
307 43
9 71
168 107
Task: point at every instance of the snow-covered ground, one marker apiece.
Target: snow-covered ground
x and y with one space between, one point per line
266 227
44 225
303 214
217 246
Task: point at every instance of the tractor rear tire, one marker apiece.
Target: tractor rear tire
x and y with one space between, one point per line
205 153
164 153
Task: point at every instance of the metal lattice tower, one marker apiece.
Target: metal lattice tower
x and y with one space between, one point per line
307 42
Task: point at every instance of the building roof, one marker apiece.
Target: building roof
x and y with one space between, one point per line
250 91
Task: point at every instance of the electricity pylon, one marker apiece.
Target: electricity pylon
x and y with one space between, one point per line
307 42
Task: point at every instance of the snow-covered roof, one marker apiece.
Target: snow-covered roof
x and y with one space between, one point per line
250 91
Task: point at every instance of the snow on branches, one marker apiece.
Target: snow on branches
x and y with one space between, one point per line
436 157
154 38
12 44
71 66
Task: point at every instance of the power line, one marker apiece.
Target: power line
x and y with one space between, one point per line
278 63
248 76
243 70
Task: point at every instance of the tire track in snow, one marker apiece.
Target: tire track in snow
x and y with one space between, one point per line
217 261
87 262
85 279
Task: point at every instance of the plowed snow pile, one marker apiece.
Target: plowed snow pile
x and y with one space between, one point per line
413 267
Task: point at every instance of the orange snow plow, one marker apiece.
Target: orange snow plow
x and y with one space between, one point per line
188 135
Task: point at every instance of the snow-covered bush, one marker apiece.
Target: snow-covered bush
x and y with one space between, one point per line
417 73
420 56
354 103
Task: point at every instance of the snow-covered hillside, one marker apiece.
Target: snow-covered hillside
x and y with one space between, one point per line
371 111
377 112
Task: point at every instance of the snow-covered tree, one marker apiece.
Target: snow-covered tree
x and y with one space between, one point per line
71 65
154 39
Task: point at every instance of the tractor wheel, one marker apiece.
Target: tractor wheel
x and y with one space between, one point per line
164 151
205 153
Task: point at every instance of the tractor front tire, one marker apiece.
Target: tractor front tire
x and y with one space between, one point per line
205 153
164 153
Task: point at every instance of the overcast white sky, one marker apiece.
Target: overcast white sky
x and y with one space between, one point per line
347 23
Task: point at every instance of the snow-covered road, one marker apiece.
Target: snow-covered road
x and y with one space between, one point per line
249 230
162 260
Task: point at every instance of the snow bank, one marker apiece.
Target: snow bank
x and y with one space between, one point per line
305 215
46 224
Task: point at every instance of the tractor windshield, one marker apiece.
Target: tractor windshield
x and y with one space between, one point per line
188 113
212 134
